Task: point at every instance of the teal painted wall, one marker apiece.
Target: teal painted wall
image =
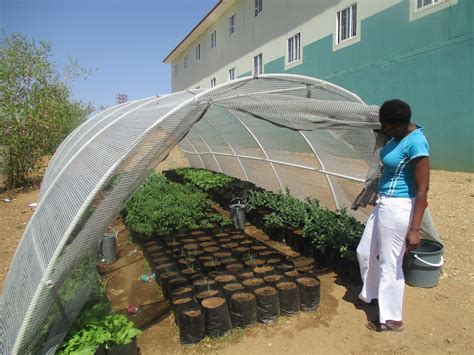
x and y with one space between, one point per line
428 63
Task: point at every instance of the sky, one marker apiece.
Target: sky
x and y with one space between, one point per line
122 42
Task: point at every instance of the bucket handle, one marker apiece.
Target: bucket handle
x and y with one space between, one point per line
115 232
235 198
430 264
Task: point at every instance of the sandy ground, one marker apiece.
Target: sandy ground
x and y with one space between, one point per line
437 321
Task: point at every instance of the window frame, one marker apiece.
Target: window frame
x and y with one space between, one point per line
231 71
258 8
429 9
258 64
197 53
213 39
232 24
425 6
185 62
213 82
352 22
293 49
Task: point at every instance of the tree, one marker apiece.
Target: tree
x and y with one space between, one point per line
36 108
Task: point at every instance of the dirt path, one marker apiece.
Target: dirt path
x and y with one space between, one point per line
438 320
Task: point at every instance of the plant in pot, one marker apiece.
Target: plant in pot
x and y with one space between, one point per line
221 222
319 228
350 257
122 335
274 226
254 206
347 233
293 214
85 341
250 207
88 335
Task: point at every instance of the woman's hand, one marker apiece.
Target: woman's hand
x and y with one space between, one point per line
413 240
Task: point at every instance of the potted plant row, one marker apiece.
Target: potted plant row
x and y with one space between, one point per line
222 188
331 237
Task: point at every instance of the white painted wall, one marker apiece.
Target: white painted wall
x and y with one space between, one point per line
267 33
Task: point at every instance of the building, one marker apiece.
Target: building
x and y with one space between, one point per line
421 51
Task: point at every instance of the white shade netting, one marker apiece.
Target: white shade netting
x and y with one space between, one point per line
277 131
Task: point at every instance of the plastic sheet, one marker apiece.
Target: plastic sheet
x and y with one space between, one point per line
253 283
310 293
289 298
243 309
182 292
204 285
191 327
230 289
183 304
268 304
216 316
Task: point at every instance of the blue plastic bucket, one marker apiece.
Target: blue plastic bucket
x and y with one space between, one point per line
422 266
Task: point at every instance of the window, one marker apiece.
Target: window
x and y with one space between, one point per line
423 3
258 7
198 52
257 65
231 24
347 23
213 39
213 82
185 62
176 70
232 74
294 48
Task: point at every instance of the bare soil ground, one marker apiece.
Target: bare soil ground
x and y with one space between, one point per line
437 321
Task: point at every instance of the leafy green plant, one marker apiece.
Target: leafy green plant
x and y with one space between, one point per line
273 220
348 232
121 331
258 199
96 327
84 341
219 219
93 315
159 206
319 225
204 179
332 230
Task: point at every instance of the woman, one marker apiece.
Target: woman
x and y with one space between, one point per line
394 225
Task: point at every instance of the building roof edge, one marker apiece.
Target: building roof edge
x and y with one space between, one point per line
221 2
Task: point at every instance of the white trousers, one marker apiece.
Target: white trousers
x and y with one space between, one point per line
380 253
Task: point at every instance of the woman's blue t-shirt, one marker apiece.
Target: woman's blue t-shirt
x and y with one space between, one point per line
397 176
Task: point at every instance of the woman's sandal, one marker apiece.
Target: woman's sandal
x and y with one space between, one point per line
389 326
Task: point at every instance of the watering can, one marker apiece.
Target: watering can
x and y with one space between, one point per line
237 213
108 246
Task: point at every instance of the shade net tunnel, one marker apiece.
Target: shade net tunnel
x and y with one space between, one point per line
277 131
